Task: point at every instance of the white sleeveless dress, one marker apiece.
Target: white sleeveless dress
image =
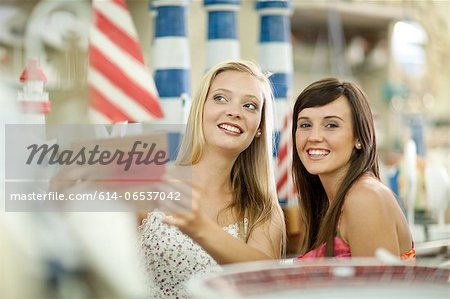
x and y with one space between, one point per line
171 258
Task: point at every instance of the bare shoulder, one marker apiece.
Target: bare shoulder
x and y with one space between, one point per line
275 226
268 237
277 218
371 218
369 193
368 203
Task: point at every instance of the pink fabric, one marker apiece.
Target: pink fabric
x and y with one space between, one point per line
341 250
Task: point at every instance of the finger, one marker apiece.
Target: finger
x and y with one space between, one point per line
187 216
170 206
183 187
174 221
179 200
195 205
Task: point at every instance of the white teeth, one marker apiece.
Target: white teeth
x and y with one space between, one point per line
318 152
230 128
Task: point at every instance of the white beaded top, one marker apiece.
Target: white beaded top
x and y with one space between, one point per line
171 258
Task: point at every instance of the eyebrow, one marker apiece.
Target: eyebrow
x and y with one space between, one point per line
229 91
221 89
326 117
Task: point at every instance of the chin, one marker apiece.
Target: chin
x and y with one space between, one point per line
231 148
314 171
234 147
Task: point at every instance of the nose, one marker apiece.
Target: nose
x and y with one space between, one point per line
315 135
233 111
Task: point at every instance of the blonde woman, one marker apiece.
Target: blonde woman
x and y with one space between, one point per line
235 215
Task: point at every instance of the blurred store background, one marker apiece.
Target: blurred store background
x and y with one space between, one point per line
398 51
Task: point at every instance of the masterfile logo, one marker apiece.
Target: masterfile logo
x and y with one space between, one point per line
49 164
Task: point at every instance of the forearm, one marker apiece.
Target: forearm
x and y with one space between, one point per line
226 249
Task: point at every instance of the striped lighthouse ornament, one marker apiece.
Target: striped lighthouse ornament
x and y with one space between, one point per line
222 43
171 58
33 101
275 56
121 87
275 49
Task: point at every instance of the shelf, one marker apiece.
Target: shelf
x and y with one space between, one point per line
366 19
353 14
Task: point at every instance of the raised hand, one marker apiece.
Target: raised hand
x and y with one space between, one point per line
195 223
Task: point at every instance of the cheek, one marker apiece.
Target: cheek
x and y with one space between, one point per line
211 113
299 142
344 145
345 141
254 123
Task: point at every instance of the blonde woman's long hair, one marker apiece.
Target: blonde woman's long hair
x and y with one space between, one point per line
252 175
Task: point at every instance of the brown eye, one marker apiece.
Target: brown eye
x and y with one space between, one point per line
331 125
304 125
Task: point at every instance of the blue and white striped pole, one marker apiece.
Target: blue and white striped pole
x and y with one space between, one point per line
275 50
222 43
275 56
171 60
171 64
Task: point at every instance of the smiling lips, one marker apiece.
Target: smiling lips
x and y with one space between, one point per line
317 153
230 128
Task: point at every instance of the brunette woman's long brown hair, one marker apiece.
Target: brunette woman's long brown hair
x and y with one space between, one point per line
320 216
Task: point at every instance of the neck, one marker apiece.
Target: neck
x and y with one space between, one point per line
214 172
331 183
330 186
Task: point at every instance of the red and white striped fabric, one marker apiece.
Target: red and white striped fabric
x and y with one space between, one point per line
285 187
121 88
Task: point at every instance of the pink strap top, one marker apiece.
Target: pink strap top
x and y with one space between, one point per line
342 250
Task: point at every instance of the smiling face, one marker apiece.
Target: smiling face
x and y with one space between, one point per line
324 138
232 111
